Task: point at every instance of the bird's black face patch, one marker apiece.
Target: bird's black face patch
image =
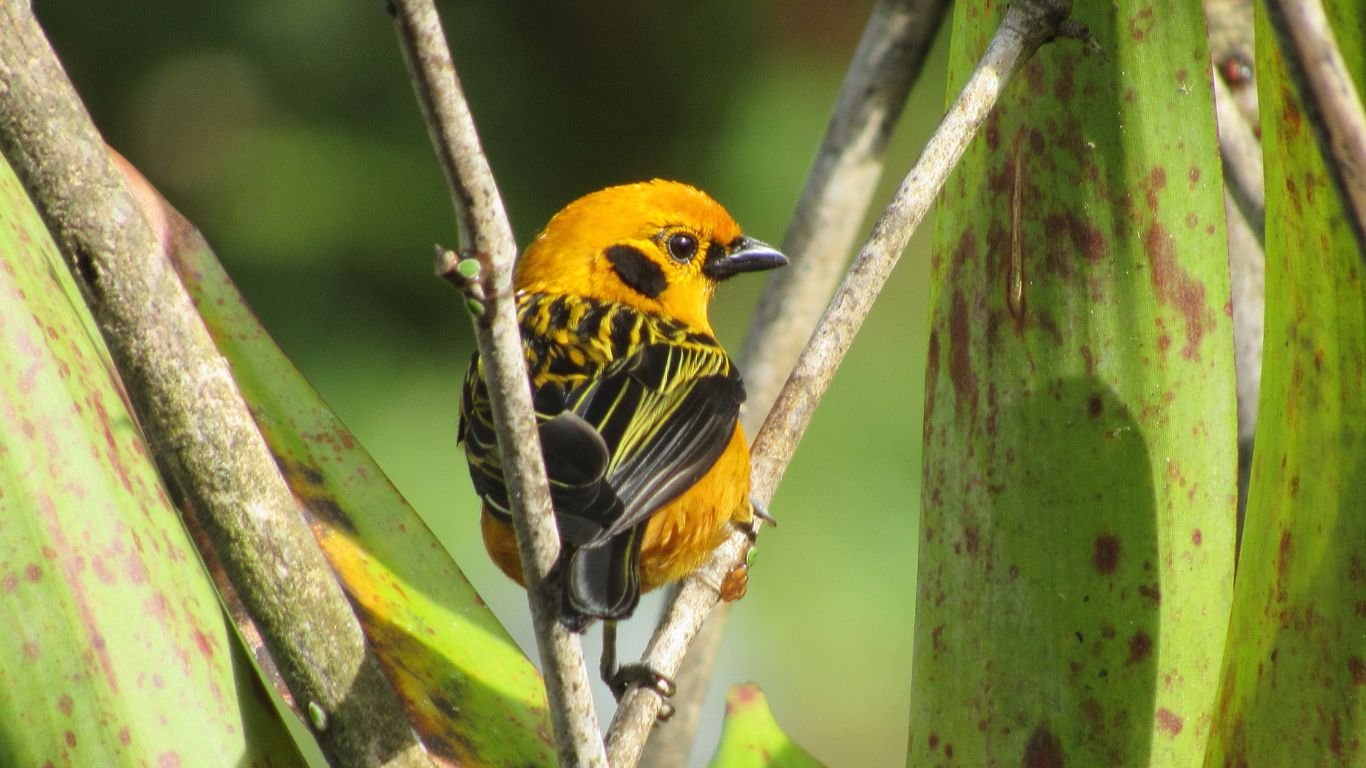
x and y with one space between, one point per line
637 271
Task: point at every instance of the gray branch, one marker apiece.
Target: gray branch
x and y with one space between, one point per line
1027 25
828 217
488 238
200 430
1330 99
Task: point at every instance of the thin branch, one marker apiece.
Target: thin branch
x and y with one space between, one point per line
1330 100
1241 152
488 237
1026 25
838 192
196 422
1245 214
829 215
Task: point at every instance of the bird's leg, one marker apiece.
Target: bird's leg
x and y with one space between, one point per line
620 678
607 666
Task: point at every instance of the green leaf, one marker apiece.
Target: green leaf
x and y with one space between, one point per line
471 694
1294 677
115 650
1079 480
751 738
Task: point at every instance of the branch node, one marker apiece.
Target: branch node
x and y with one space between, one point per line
465 273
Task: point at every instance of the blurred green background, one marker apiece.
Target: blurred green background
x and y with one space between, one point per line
288 132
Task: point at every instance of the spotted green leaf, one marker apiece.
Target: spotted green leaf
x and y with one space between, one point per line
1077 535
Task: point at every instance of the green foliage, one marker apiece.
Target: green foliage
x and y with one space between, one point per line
471 694
1078 503
1294 678
1078 496
116 651
751 737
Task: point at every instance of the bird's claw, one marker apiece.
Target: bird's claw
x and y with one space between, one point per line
761 511
643 676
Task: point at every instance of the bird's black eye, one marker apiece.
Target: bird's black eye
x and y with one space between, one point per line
682 247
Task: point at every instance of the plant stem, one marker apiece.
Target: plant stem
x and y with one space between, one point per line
1026 25
1330 100
488 236
203 436
888 61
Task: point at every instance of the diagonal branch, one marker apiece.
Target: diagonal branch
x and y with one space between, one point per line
829 214
488 238
1330 99
203 436
1026 26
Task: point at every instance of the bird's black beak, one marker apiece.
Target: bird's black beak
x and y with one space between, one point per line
743 255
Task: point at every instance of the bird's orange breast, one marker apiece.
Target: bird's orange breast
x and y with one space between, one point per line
678 536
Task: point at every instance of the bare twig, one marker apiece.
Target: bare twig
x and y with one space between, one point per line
1330 100
1026 25
829 215
838 191
195 420
1242 157
1247 292
1245 213
488 235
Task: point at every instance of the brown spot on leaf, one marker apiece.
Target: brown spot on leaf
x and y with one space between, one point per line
1282 565
1194 175
971 539
1105 553
1151 592
931 374
1168 721
1196 537
960 358
937 639
1043 750
1176 288
1140 647
66 704
1157 181
1141 23
1094 405
204 643
1358 670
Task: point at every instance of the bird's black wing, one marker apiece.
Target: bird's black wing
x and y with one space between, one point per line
665 414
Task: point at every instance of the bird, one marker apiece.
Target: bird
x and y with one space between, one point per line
637 403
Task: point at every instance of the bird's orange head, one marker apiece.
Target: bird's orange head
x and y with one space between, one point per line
658 246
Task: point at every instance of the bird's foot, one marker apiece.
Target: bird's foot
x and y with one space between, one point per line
735 584
641 675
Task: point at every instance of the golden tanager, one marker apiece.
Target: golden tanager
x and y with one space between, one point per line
637 403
